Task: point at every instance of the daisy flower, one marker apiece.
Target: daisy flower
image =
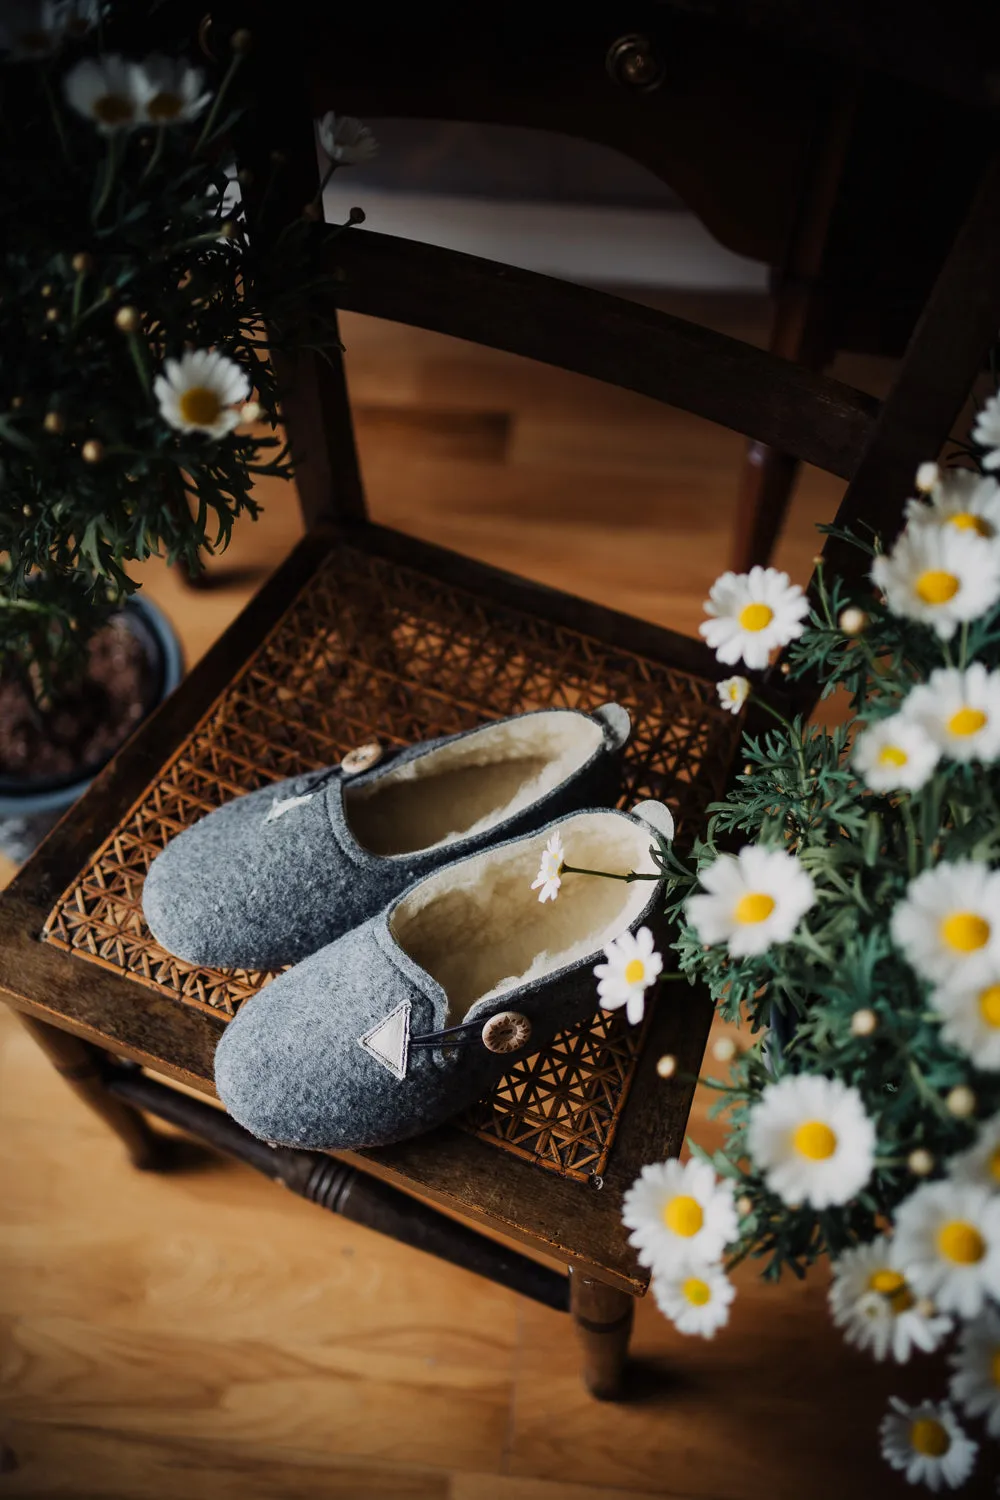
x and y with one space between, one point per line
960 711
633 964
549 877
981 1162
895 755
986 432
926 1442
948 923
752 613
733 693
106 90
970 1014
197 392
346 140
947 1244
812 1139
876 1307
679 1215
961 499
695 1298
170 90
975 1384
939 576
753 899
36 28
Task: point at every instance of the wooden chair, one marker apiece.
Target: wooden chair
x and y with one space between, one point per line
367 633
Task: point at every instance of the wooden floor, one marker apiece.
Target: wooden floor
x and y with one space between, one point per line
205 1336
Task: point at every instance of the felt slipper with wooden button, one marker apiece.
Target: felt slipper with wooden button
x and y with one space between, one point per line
274 875
416 1014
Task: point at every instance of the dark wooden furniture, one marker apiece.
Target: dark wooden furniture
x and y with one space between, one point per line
366 631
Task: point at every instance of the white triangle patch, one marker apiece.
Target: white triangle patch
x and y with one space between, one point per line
389 1041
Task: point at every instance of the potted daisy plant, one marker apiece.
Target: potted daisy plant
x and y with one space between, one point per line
138 403
843 902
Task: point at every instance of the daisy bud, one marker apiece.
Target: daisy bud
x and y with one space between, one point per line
313 212
853 621
127 319
748 769
26 510
241 40
356 216
925 1308
92 451
961 1102
744 1206
863 1022
667 1066
228 230
818 560
920 1162
47 289
927 477
16 402
52 315
724 1049
53 422
785 668
251 412
82 264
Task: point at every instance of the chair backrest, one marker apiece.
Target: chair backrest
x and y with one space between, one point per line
875 447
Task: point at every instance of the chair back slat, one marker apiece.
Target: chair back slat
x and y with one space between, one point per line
819 420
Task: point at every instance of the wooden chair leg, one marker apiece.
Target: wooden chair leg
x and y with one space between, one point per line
603 1318
766 486
81 1066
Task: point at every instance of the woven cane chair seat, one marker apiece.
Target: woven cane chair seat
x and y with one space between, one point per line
373 649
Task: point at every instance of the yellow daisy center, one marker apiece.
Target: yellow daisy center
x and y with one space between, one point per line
755 906
200 406
989 1006
756 617
994 1164
936 587
929 1437
966 521
635 971
164 106
892 755
734 690
113 109
961 1243
995 1367
683 1215
814 1139
967 721
965 931
696 1291
892 1286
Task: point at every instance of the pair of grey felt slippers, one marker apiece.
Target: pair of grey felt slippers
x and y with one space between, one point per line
399 885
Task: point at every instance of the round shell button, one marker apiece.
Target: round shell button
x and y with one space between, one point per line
362 758
506 1031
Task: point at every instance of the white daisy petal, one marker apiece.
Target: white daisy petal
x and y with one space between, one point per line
733 693
895 754
549 878
959 711
948 923
752 613
970 1016
104 90
346 140
947 1244
986 432
958 498
196 393
975 1384
812 1139
876 1307
632 966
926 1442
696 1298
680 1215
940 576
753 899
169 91
980 1164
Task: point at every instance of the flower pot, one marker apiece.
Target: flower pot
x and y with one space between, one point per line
29 808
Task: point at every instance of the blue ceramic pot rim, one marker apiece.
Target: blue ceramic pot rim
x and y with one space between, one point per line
18 804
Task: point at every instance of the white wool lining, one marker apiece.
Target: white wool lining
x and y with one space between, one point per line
479 929
470 785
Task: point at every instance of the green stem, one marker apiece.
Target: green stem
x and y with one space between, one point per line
606 874
795 737
137 351
56 117
77 294
911 837
155 154
110 172
213 113
964 645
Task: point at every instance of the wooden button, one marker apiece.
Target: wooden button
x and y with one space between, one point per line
361 759
506 1031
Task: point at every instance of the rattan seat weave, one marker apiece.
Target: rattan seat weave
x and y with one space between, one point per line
373 649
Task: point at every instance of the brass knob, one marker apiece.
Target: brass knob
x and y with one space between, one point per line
506 1031
633 62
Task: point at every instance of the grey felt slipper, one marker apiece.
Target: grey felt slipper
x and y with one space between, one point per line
414 1015
277 874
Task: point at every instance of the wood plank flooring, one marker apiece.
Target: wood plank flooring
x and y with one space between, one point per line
202 1334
